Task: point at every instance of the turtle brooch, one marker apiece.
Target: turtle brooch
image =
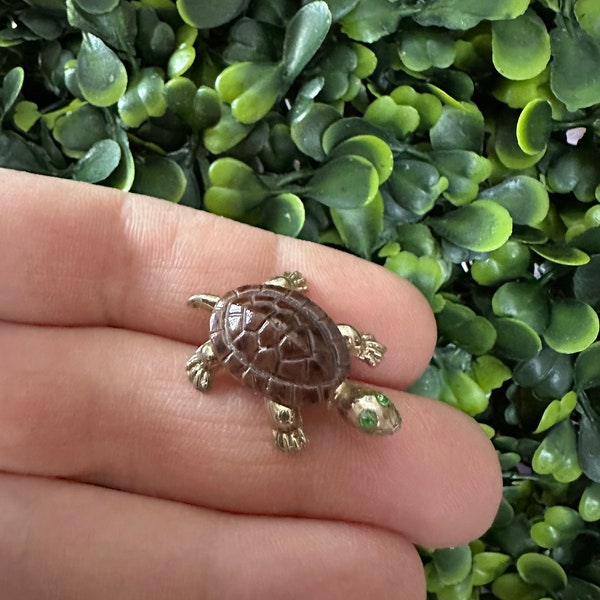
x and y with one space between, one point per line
279 343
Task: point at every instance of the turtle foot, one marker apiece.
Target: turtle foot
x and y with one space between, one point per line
289 441
362 345
290 280
201 366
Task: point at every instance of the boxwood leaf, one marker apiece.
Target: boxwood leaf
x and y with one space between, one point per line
539 569
524 300
26 115
525 198
303 37
98 162
549 374
515 339
344 182
283 214
586 282
101 75
96 7
360 227
227 133
78 130
589 504
463 392
11 88
574 76
464 170
464 14
487 566
482 226
520 46
374 149
573 326
458 128
588 16
507 262
307 129
424 272
461 326
145 97
557 454
370 20
561 525
587 367
206 15
589 443
452 564
398 119
534 126
423 48
160 177
557 411
416 185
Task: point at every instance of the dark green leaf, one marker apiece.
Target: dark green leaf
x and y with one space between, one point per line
344 182
360 227
307 130
101 75
461 326
458 128
452 564
516 340
423 48
370 20
589 444
508 262
160 177
587 367
98 162
11 88
520 46
524 300
96 7
304 35
206 15
586 282
283 214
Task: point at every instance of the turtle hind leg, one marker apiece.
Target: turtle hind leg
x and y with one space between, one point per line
287 427
290 280
362 345
201 367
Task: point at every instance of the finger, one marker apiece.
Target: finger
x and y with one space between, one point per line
114 407
72 541
76 254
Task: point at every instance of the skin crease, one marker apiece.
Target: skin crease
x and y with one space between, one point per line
119 480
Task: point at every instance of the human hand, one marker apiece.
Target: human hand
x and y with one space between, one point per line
120 480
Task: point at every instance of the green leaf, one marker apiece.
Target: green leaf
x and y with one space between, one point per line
122 177
587 367
160 177
482 226
101 75
525 198
549 374
360 227
574 76
458 129
344 182
370 20
227 133
534 127
11 88
507 146
561 525
144 98
78 130
586 282
557 411
251 88
573 326
424 272
98 162
416 185
561 254
589 504
461 326
520 46
26 115
490 373
516 340
235 189
543 571
96 7
283 214
181 60
588 17
307 129
507 262
487 566
370 147
589 441
452 564
557 454
421 49
464 170
465 14
206 15
578 589
461 390
303 37
524 300
385 113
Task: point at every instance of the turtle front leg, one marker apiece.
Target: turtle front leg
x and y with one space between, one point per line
362 345
290 280
287 427
201 367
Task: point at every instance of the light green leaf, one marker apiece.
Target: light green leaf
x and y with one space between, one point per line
206 15
283 214
370 20
11 88
541 570
534 126
557 411
421 49
520 46
524 300
370 147
101 75
587 367
482 226
573 326
160 177
557 454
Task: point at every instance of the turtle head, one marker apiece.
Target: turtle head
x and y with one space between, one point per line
367 409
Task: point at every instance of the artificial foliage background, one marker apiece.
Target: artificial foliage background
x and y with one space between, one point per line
452 141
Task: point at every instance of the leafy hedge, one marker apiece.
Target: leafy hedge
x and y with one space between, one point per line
453 141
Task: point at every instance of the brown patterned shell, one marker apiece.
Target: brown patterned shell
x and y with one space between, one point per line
279 343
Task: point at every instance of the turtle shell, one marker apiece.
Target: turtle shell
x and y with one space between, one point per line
279 343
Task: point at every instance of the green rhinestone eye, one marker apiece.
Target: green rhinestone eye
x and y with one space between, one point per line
367 420
383 400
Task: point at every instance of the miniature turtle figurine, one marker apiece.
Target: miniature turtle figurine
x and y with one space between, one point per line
279 343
